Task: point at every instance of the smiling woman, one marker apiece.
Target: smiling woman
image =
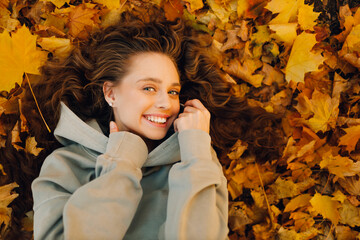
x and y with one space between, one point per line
124 162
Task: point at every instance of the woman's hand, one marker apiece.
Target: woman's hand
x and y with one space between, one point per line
113 127
195 116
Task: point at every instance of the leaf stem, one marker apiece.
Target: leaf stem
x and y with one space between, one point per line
27 78
266 199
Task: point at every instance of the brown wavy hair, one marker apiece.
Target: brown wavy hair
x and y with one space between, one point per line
78 80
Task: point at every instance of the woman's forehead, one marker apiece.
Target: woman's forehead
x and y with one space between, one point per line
152 67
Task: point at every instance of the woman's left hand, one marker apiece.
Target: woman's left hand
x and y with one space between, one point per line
195 116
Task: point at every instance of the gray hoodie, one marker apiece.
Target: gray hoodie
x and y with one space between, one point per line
99 187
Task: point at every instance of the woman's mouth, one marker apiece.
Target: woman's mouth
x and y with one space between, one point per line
157 121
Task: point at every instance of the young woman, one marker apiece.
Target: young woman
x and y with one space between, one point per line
131 165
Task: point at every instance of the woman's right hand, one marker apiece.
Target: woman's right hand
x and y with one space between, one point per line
113 127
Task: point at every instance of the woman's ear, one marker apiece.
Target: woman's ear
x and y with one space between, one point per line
108 91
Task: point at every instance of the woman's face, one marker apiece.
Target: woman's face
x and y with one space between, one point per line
146 101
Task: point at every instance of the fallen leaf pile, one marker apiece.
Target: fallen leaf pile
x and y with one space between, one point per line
299 59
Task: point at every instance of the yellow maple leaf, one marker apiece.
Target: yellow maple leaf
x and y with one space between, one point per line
298 202
338 165
339 196
307 17
351 137
110 4
221 12
195 4
60 47
301 58
327 207
284 32
352 42
6 197
287 10
18 55
58 3
325 109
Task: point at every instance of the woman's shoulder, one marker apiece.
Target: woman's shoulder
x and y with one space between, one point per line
71 158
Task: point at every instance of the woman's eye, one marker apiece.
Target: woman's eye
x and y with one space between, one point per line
174 92
149 89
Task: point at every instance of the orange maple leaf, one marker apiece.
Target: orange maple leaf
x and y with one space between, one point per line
80 18
351 137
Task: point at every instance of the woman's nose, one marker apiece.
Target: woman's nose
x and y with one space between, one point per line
163 101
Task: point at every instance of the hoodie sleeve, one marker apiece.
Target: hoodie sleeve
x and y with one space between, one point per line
66 208
198 196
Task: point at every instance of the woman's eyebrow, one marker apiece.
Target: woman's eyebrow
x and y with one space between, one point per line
157 81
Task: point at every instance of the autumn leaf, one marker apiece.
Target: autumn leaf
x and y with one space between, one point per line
284 32
111 4
18 55
350 215
352 42
340 166
245 71
351 137
261 36
339 196
287 10
284 188
325 111
286 234
195 4
173 9
58 3
79 18
6 21
301 59
30 146
237 150
307 17
327 207
2 170
60 47
351 185
6 197
222 12
303 221
298 202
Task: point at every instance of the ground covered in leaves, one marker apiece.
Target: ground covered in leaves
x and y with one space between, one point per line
297 58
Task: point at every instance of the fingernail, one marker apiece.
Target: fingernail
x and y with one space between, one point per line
112 124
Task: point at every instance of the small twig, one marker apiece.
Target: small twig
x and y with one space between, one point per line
27 78
266 199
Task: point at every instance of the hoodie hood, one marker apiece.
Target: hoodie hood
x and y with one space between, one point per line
72 130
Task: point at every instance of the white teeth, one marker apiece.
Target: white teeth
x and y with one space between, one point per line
156 119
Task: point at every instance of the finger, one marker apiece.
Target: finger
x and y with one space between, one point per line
195 103
113 127
190 109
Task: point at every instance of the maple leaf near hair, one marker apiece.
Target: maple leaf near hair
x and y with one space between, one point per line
18 55
81 20
6 197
